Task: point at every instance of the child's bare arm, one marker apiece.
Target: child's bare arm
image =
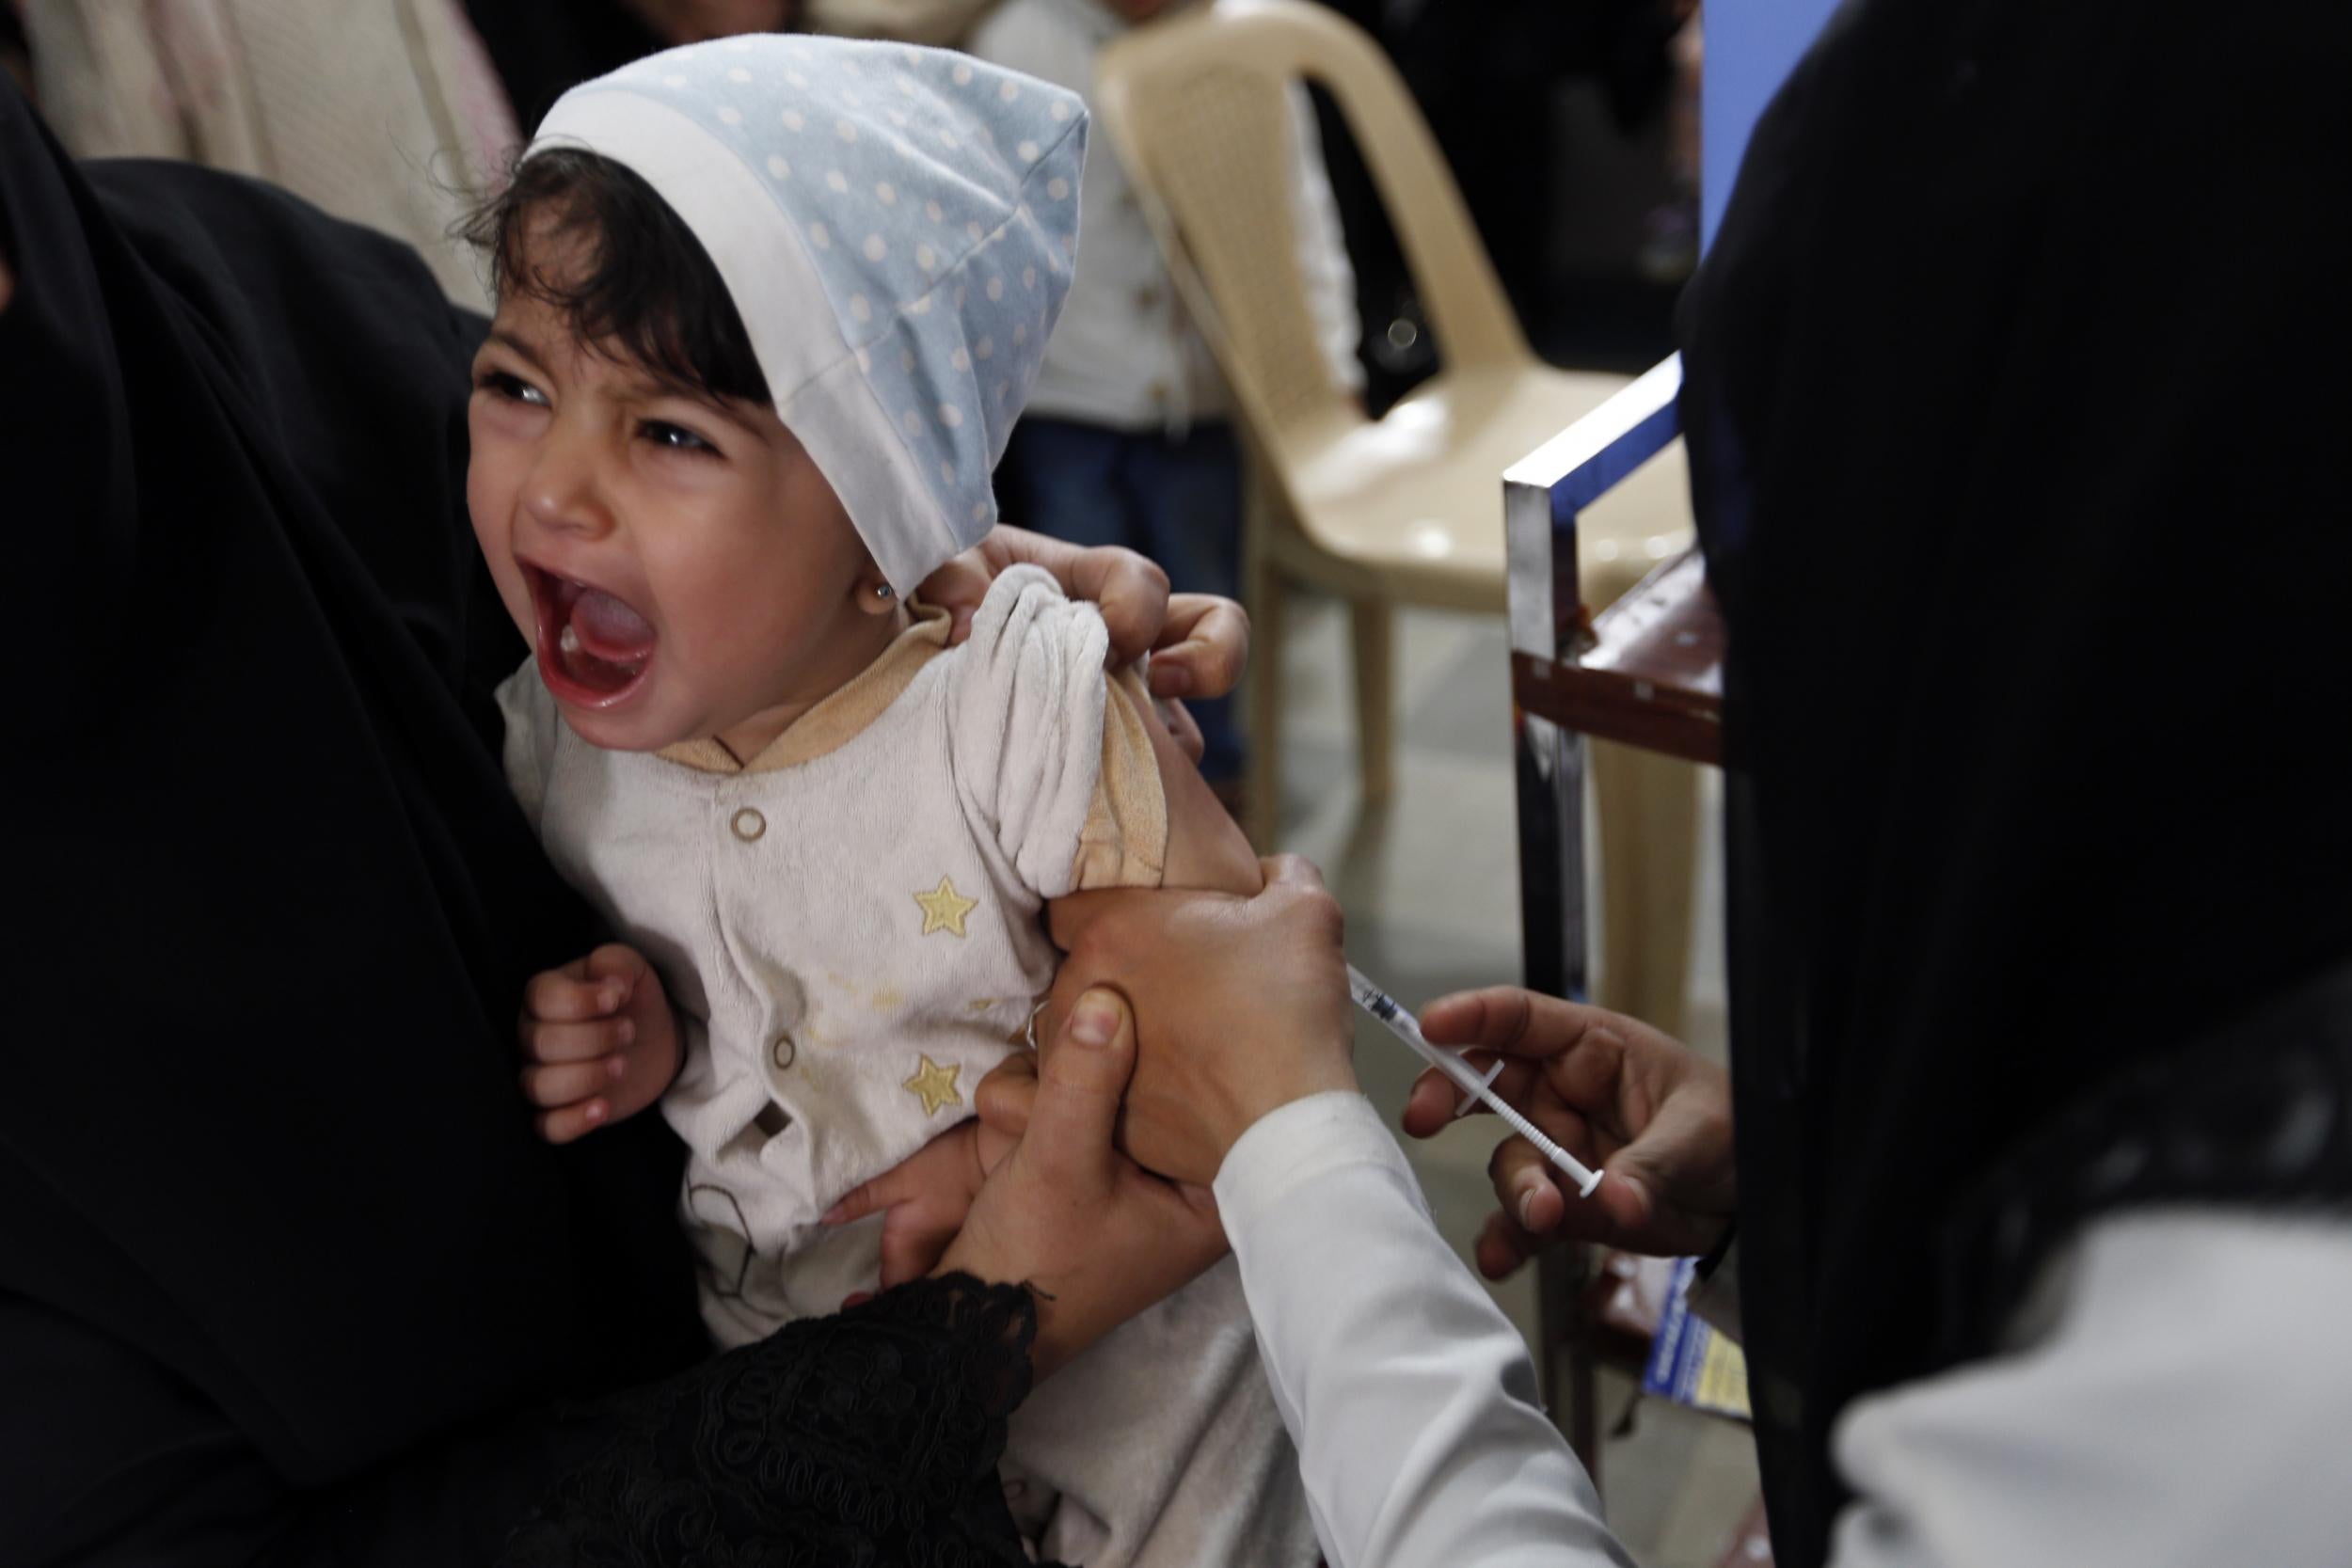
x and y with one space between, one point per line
1206 847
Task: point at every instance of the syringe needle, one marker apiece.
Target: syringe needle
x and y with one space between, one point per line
1381 1005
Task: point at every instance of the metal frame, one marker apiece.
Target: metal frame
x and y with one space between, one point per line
1543 494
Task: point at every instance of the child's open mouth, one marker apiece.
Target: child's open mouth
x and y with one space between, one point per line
593 648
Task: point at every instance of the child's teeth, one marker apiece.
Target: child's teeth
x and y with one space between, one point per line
569 642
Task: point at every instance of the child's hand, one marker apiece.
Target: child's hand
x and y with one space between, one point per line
599 1043
926 1195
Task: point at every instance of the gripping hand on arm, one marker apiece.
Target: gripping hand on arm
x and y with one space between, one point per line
1199 642
1409 1395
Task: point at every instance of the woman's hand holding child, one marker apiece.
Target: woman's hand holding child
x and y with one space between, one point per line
599 1041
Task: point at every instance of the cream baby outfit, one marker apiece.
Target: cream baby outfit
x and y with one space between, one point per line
850 921
849 924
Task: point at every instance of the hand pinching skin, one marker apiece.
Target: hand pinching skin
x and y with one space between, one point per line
600 1042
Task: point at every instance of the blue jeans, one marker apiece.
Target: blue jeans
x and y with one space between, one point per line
1178 501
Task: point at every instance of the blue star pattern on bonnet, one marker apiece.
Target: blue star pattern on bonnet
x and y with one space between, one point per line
896 228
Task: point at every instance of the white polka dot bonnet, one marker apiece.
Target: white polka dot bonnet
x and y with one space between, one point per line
929 200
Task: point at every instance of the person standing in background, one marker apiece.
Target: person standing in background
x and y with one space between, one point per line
1128 440
388 115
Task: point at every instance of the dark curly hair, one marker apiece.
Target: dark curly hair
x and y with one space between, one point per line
646 290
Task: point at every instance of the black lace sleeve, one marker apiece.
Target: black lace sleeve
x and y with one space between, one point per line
869 1437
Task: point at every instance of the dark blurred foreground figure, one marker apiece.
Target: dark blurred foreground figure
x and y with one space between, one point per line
283 1261
2033 555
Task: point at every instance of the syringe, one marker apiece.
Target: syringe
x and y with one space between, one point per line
1380 1005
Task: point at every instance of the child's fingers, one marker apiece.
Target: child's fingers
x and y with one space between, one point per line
560 996
618 962
565 1123
869 1197
576 1042
554 1087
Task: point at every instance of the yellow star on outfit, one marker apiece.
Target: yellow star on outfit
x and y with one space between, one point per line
944 908
936 1084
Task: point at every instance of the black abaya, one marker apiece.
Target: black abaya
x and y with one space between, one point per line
2012 402
285 1274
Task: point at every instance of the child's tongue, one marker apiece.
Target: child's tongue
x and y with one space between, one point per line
610 629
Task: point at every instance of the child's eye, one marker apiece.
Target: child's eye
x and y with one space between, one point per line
513 389
675 437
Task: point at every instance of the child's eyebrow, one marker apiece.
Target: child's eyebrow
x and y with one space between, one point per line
649 385
529 351
643 382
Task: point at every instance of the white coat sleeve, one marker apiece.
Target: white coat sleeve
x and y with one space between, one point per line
2187 1403
1409 1394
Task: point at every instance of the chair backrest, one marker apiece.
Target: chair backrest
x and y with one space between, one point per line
1198 106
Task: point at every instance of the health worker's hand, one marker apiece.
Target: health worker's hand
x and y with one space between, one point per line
1199 642
1638 1105
1240 1005
599 1041
1095 1238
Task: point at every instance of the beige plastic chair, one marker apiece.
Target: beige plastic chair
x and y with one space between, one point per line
1407 508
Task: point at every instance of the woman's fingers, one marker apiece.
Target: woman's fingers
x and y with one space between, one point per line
1206 640
1130 591
1508 1020
1080 1083
912 1242
1004 1096
958 588
1202 649
1429 1106
1524 1186
1296 872
1434 1101
1501 1246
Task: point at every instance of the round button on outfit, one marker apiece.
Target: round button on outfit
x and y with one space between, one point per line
781 1050
749 824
